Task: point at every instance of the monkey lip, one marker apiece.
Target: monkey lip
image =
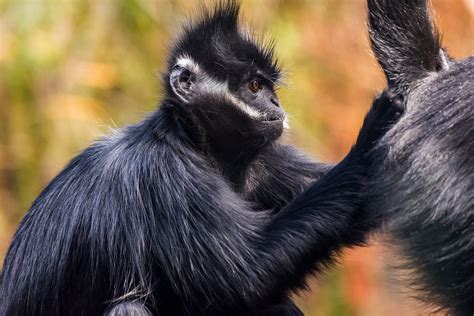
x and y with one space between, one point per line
272 119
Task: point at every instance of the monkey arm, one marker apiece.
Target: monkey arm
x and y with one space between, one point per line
279 174
222 254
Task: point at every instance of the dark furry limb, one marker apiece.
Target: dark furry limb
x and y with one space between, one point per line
424 179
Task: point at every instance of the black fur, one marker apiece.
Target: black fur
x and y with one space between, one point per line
213 43
404 40
198 209
128 309
424 182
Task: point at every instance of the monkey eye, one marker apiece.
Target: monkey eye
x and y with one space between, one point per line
255 86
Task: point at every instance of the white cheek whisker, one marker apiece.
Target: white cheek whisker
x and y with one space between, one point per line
286 122
213 86
189 63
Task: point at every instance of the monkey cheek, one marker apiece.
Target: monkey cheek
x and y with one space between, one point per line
272 130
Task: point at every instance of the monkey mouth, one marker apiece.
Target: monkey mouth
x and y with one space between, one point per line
272 119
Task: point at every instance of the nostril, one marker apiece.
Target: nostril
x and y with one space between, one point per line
275 102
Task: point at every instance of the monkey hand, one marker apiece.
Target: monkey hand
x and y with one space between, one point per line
386 110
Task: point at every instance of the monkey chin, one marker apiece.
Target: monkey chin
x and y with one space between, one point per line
272 129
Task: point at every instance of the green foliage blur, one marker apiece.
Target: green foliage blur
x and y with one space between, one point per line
71 70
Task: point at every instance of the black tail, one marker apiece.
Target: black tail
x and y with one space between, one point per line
404 40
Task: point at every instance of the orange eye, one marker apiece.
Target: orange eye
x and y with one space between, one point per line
255 86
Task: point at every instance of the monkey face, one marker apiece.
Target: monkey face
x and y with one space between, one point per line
216 60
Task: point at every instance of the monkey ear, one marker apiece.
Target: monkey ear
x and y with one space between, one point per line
182 81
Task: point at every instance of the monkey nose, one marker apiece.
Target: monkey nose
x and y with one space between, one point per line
275 102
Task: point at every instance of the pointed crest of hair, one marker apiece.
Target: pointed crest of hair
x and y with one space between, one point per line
266 48
224 15
218 42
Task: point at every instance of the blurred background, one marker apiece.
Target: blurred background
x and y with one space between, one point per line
71 70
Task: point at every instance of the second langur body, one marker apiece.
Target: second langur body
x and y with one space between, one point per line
423 184
198 209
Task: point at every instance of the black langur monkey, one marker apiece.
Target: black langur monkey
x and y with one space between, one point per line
424 182
198 209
